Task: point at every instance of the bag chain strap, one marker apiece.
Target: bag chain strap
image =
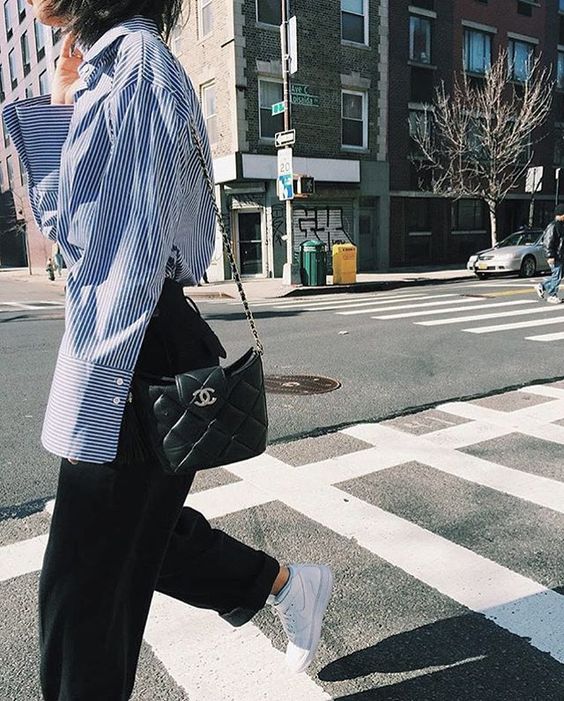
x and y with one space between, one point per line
227 242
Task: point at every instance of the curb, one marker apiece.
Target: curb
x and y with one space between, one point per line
371 286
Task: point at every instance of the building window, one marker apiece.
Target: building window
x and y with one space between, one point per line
56 33
6 133
477 51
559 145
39 39
420 39
206 17
1 178
468 215
23 172
520 56
270 92
269 12
353 119
29 91
560 70
420 126
561 5
43 83
26 55
13 69
354 21
210 112
418 216
10 167
2 92
8 20
21 10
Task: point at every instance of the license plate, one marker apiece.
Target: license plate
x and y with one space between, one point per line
482 266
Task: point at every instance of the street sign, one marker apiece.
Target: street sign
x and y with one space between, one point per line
534 179
285 138
277 108
300 95
291 43
285 174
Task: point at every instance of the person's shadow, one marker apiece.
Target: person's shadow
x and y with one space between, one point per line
466 658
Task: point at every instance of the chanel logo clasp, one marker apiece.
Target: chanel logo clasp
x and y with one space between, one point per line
204 396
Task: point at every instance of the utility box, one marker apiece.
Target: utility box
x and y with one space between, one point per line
344 263
313 263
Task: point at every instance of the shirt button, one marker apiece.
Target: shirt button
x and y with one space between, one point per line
116 400
119 381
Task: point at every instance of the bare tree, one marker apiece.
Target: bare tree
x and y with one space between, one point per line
478 141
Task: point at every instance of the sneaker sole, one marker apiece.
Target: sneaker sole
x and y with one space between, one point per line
321 604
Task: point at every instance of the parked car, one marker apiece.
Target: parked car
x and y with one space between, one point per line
521 253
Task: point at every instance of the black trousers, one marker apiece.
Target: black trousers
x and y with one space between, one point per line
119 532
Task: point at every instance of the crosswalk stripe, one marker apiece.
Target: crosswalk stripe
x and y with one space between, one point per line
412 305
450 310
212 661
514 602
327 299
493 315
329 304
375 304
516 325
547 337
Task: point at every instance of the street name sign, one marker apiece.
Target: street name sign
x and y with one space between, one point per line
300 95
534 179
285 174
277 108
285 138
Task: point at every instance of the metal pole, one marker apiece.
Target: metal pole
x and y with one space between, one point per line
557 196
290 274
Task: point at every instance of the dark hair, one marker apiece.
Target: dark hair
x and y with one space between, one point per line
89 19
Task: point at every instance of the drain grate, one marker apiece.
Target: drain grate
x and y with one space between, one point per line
300 384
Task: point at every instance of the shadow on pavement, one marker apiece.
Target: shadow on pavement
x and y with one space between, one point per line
483 663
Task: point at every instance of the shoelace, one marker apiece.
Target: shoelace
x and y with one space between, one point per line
289 620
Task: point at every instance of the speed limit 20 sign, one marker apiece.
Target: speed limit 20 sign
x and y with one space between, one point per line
285 174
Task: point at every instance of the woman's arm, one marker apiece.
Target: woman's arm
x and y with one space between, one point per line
39 128
114 287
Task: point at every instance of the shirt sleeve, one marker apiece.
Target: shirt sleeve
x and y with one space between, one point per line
113 289
39 131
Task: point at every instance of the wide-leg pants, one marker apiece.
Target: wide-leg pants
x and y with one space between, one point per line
119 532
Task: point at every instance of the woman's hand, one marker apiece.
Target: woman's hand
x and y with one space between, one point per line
66 80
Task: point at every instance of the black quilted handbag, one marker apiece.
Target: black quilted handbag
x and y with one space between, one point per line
209 416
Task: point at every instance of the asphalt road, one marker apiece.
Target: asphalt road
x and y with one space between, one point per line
443 526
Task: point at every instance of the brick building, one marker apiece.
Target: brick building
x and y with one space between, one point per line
28 56
231 50
432 40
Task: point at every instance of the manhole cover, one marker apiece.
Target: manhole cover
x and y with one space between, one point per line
300 384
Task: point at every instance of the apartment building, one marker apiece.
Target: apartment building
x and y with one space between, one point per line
28 56
231 50
433 40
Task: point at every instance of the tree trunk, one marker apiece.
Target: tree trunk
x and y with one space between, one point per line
493 222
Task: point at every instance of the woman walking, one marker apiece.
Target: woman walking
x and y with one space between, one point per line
115 180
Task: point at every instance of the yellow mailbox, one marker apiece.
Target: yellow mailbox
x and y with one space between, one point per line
344 263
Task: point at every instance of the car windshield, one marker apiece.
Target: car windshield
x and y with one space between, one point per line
521 238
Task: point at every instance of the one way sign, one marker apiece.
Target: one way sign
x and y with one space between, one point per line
285 138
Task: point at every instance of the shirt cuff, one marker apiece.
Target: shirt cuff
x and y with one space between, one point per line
39 131
85 410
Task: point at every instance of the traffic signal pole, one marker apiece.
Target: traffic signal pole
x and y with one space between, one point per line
290 275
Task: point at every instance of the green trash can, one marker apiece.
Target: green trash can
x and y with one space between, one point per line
313 263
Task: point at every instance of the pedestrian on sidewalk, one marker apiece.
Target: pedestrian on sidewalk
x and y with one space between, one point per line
553 241
50 269
127 201
58 259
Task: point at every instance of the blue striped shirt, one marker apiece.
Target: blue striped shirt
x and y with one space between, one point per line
115 179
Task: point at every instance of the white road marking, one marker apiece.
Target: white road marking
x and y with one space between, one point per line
22 557
212 661
412 305
478 317
547 337
339 304
328 299
514 602
451 310
515 325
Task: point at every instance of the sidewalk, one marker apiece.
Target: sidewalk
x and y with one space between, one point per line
16 284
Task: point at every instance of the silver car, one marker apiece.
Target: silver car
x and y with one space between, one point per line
521 253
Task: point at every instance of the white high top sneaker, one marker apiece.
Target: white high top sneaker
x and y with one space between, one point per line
301 605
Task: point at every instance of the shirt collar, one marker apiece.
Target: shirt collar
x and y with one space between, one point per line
92 55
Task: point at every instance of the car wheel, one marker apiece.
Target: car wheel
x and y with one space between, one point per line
528 267
481 276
